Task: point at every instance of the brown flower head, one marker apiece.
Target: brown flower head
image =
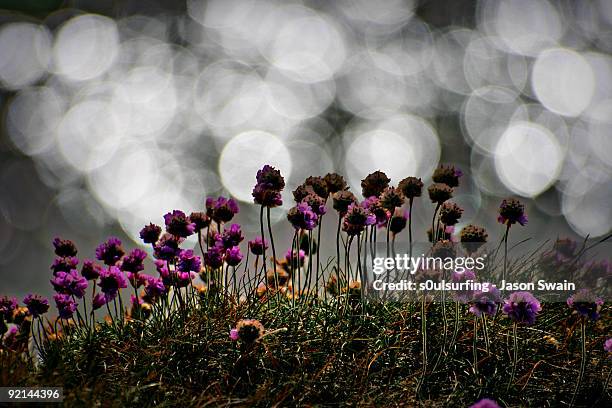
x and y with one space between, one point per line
391 198
249 330
200 219
439 193
335 182
411 187
450 213
472 237
342 199
319 186
374 184
448 175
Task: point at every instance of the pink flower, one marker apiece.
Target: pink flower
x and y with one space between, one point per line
234 334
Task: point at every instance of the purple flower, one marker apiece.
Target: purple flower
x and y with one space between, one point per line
302 217
155 287
90 270
36 304
463 296
178 224
182 279
150 233
522 307
111 280
7 307
485 403
136 279
316 203
485 302
270 183
292 256
167 248
258 246
214 257
110 251
64 264
134 262
66 306
356 219
232 236
234 335
608 345
271 177
233 256
64 247
189 262
263 195
222 209
585 303
374 207
512 211
98 301
69 283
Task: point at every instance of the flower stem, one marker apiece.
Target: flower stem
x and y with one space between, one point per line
582 362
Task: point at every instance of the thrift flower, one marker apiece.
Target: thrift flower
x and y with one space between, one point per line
302 217
258 245
134 262
64 247
178 224
222 209
356 219
150 233
189 262
374 184
485 302
341 201
90 270
36 304
512 211
249 330
334 182
448 175
522 307
65 305
411 187
7 307
69 283
233 256
585 303
64 264
110 252
485 403
111 281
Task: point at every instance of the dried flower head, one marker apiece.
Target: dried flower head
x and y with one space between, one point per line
439 193
342 199
512 211
200 220
585 303
64 247
450 213
448 175
334 182
391 198
282 277
318 185
374 184
411 187
472 237
522 307
266 197
150 233
398 221
249 330
356 219
301 192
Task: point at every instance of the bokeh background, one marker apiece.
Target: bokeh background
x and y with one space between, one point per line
115 112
